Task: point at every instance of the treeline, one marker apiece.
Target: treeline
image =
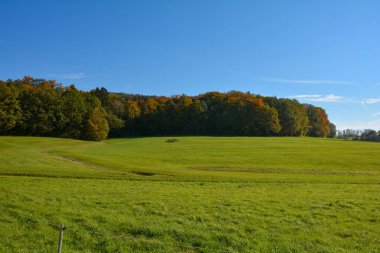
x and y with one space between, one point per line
40 107
359 135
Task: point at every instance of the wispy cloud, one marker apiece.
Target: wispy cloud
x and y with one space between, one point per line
280 80
371 101
376 114
68 75
306 96
73 76
331 98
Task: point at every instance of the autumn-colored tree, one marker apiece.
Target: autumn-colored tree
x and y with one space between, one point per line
324 121
261 120
318 121
132 110
96 128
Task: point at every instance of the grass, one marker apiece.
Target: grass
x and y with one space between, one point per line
200 194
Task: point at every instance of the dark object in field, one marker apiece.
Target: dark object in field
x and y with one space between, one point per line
171 140
142 173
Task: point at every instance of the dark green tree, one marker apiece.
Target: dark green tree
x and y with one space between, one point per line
292 115
369 135
332 130
74 110
41 107
10 111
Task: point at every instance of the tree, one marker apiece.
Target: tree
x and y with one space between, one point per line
10 111
96 128
318 121
114 122
74 111
292 115
116 106
324 122
132 110
113 105
213 115
103 95
332 130
369 135
41 107
261 119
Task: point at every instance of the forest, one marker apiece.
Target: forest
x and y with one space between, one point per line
40 107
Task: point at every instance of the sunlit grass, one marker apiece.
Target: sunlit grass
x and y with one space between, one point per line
200 194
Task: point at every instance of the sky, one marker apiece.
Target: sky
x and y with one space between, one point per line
324 52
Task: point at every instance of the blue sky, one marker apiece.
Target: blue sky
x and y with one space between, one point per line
324 52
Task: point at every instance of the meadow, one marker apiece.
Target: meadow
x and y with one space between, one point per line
199 194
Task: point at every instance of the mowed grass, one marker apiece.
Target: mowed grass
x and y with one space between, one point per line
200 194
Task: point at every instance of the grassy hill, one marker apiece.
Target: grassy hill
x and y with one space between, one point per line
200 194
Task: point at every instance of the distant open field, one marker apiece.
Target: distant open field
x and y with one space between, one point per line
200 194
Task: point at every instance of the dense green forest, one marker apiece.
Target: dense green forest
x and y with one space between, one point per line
40 107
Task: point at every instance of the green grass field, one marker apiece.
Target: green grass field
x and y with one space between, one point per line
200 194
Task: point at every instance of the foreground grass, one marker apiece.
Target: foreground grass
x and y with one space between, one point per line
127 216
200 194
